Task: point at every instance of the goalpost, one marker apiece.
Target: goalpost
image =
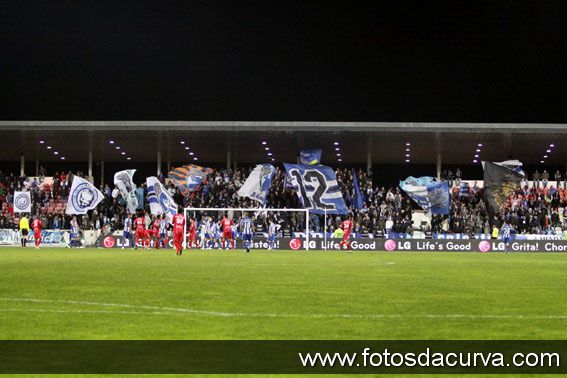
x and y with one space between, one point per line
254 211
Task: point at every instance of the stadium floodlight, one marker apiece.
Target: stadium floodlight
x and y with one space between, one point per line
479 145
233 213
62 157
186 148
41 142
267 148
407 161
478 150
264 143
117 147
336 143
191 153
111 142
55 153
548 151
195 158
123 153
541 161
408 144
49 147
552 145
545 156
182 142
128 158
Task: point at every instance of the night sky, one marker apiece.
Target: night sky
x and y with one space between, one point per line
491 61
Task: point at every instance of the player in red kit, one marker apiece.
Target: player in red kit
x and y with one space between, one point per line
178 231
37 225
192 233
140 226
346 225
226 225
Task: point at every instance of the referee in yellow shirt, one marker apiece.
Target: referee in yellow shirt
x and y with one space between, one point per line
24 229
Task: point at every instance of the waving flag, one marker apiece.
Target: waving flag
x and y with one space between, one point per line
464 190
317 188
499 184
439 198
430 195
358 201
22 202
83 197
257 185
513 165
310 157
189 177
123 180
159 199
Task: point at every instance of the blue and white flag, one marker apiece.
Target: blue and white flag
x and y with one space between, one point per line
317 188
430 195
513 165
83 197
310 157
258 184
123 180
22 202
189 178
439 198
357 200
464 190
159 199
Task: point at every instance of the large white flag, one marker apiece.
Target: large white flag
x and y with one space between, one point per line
22 202
159 199
257 185
83 197
125 184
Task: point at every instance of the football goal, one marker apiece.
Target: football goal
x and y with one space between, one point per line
207 232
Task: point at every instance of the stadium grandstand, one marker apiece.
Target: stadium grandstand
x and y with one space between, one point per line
44 156
287 187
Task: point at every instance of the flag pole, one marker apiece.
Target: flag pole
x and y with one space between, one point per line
325 230
307 230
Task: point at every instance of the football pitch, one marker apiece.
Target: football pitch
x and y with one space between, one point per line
123 294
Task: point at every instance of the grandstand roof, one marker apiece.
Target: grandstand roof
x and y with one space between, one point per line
209 141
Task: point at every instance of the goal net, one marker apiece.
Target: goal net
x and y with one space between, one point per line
208 228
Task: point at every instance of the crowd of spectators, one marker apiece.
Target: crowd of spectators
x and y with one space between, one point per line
532 209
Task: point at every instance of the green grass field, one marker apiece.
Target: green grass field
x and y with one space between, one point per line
102 294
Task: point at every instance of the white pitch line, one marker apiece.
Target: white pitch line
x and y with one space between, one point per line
157 310
86 311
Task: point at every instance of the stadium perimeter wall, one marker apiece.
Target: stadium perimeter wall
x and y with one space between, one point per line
387 245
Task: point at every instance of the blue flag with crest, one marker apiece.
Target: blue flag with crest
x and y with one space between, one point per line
310 157
429 194
159 199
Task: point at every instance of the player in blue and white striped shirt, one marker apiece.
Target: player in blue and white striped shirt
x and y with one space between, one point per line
162 238
74 237
215 234
127 231
506 233
246 229
273 229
